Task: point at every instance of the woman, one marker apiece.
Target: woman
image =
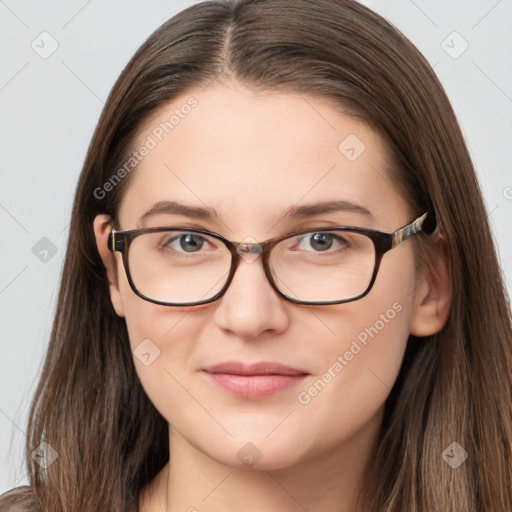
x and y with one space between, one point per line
280 290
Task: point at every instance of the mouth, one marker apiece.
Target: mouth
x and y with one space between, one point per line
255 380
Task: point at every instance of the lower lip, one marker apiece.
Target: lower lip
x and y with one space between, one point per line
254 386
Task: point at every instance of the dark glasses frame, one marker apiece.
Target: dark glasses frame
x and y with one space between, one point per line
119 241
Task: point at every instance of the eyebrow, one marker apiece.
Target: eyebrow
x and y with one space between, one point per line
294 212
326 207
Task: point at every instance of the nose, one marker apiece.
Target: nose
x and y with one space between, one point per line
250 306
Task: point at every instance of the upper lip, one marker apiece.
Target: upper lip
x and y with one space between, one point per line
263 368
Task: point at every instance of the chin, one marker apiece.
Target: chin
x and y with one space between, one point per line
259 454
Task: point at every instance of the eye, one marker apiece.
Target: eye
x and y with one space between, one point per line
321 242
187 242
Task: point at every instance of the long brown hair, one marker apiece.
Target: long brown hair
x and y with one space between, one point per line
455 386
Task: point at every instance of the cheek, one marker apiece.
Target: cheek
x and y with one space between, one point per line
358 370
352 384
161 341
383 323
147 323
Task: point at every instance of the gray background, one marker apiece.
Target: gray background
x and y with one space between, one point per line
50 106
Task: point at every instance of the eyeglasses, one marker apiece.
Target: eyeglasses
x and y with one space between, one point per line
183 266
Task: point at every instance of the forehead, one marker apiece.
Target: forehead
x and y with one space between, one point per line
250 155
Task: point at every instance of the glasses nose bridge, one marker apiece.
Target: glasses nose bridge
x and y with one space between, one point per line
248 247
250 252
247 251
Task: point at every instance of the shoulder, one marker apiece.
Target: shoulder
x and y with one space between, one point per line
19 499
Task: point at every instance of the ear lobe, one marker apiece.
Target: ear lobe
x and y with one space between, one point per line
433 296
102 227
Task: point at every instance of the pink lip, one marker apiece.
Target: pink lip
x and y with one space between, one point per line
255 380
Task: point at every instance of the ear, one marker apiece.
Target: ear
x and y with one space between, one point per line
433 295
102 226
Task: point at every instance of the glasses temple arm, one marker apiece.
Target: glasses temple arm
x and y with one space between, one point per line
426 222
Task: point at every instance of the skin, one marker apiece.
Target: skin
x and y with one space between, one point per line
251 156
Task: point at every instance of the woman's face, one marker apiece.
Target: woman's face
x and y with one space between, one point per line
251 157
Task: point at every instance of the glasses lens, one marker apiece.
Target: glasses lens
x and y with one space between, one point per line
178 266
323 266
